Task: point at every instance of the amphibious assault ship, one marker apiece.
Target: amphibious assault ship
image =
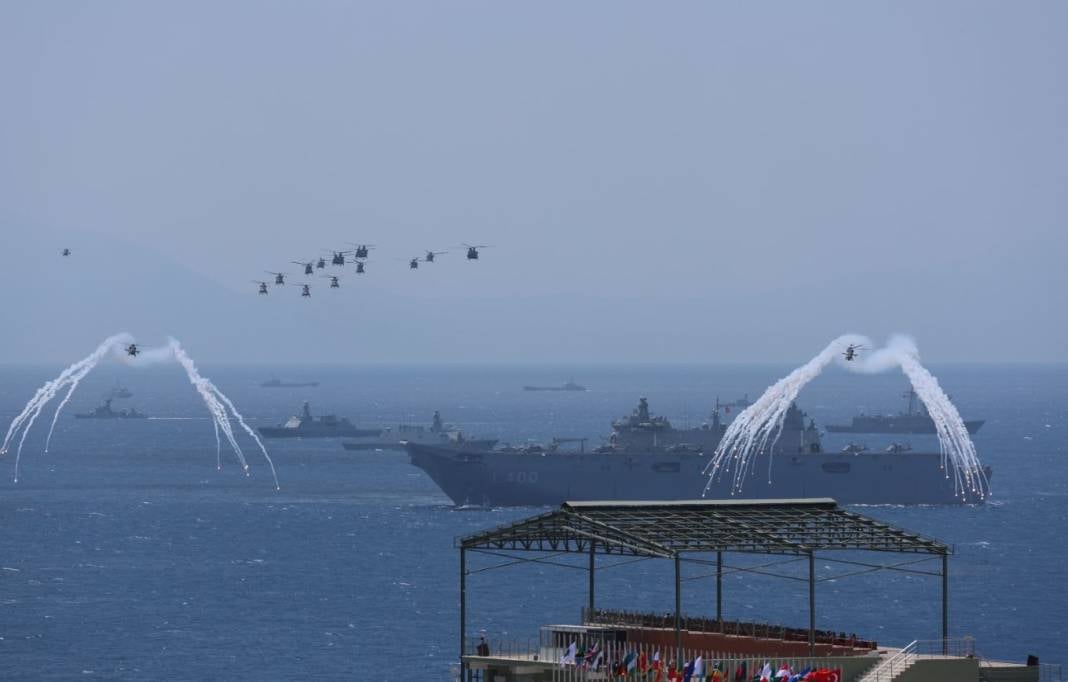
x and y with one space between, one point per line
105 412
305 425
913 420
438 433
648 459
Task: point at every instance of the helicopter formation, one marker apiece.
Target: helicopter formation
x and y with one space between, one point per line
358 255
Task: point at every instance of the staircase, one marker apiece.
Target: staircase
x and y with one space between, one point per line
892 664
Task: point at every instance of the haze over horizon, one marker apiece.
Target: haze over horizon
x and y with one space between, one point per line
692 183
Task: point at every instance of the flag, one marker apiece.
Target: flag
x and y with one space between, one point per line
784 671
630 661
687 671
643 663
698 667
740 672
766 673
569 656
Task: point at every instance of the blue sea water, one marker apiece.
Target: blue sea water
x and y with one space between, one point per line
125 554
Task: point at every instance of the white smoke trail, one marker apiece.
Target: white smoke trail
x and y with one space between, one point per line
68 377
212 397
216 402
757 427
755 430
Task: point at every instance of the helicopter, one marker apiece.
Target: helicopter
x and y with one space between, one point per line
429 258
359 266
413 264
362 249
333 281
263 286
472 251
66 252
279 277
132 350
851 352
307 266
305 290
338 258
321 263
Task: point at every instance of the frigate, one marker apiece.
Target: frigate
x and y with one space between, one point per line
305 425
913 420
278 383
105 412
646 458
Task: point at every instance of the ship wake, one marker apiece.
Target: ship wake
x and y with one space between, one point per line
222 410
756 429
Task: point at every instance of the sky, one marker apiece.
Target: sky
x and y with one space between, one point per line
681 182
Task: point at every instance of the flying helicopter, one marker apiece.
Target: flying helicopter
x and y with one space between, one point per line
359 266
338 258
279 277
362 249
333 281
472 251
263 286
429 258
851 351
307 266
321 263
132 350
66 252
413 264
305 290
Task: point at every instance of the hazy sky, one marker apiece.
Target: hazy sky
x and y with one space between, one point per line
660 181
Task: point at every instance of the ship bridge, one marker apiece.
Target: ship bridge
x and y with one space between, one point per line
680 531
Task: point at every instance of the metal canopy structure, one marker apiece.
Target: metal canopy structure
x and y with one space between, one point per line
669 530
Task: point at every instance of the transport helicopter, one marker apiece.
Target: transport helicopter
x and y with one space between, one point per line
472 251
307 266
132 350
321 263
413 264
263 286
333 281
359 266
851 352
305 290
430 255
338 257
279 277
362 249
66 252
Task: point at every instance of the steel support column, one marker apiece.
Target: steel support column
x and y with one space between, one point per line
945 604
591 580
719 590
811 603
463 612
678 613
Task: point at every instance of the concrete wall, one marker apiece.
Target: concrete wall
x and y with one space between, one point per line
942 670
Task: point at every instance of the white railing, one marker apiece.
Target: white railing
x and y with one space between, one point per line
892 666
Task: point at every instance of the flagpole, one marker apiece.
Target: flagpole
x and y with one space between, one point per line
591 579
719 590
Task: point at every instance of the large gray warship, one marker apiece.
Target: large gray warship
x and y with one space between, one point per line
648 459
438 433
305 425
913 420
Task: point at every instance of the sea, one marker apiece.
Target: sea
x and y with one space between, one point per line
127 552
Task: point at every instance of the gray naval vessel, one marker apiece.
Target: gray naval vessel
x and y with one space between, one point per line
305 425
913 420
105 412
438 433
646 458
